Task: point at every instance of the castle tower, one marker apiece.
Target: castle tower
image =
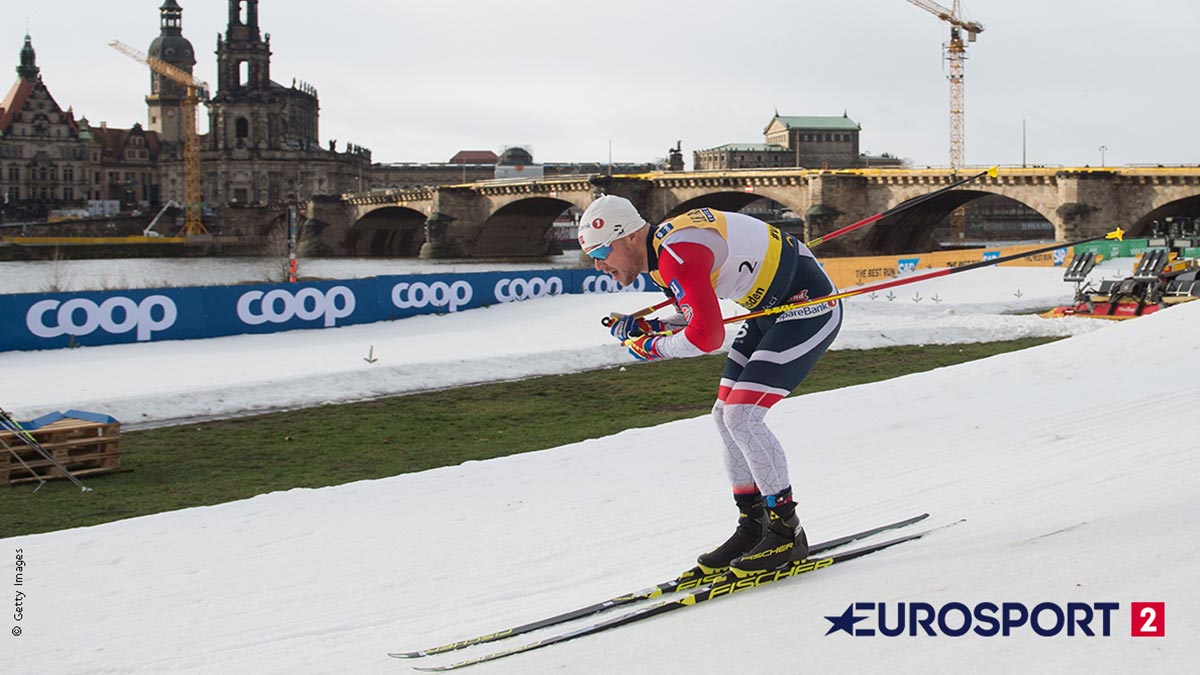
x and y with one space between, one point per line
27 69
166 95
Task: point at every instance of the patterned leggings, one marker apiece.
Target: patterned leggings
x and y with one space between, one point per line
770 357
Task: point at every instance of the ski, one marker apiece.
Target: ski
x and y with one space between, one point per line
691 579
726 585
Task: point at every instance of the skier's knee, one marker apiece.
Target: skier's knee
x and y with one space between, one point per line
718 413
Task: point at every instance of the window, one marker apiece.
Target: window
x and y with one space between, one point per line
69 193
14 173
242 127
243 73
68 173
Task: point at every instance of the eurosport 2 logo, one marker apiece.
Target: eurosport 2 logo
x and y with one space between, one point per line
602 283
513 290
989 619
117 315
255 308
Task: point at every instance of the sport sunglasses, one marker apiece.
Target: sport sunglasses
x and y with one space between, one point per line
600 252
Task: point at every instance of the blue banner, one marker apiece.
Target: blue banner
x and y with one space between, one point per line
55 320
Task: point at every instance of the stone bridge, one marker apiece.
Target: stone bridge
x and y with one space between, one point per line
513 218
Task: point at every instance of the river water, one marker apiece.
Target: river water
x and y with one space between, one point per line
47 276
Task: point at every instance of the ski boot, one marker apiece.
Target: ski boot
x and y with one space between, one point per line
748 533
783 539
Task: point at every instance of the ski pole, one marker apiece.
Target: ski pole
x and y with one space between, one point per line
991 172
609 320
9 423
12 451
1117 234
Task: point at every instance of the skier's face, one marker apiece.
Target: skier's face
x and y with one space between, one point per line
623 263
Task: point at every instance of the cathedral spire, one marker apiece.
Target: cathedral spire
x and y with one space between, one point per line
28 69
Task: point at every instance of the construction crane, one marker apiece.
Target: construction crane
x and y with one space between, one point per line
956 53
195 91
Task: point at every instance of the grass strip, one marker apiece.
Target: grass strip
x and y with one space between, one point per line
215 462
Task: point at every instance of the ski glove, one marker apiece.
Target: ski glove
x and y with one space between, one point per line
644 347
626 326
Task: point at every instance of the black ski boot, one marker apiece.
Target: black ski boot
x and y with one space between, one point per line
783 539
748 533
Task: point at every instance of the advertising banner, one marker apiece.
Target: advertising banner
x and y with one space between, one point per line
91 318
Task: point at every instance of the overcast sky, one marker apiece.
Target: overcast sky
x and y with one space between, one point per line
418 81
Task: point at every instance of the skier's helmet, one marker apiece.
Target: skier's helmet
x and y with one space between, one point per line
606 220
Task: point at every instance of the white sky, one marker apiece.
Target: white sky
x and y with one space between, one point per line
420 81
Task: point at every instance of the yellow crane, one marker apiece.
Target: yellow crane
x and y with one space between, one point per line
195 91
956 53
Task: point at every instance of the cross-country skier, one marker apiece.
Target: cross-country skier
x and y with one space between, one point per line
696 258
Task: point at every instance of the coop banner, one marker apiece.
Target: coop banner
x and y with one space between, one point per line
93 318
268 308
55 320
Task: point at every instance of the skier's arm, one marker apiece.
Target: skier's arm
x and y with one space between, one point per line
687 269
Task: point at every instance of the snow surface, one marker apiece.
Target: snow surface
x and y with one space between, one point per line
1071 464
142 384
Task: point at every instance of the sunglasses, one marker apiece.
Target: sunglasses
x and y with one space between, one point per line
600 252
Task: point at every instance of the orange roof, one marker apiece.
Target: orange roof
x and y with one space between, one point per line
14 101
474 157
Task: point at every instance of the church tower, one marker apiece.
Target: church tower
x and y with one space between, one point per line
166 96
243 56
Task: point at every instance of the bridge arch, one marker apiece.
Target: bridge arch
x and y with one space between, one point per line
913 230
722 201
1186 207
520 228
390 231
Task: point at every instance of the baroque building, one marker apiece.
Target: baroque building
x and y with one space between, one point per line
263 144
44 159
812 142
51 161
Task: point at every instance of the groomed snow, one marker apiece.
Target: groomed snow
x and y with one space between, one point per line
1071 464
143 384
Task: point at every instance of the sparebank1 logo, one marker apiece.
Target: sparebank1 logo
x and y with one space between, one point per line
989 619
1060 257
116 315
906 265
991 255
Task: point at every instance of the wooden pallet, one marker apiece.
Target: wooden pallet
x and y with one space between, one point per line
83 447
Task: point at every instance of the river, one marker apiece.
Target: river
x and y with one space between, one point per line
47 276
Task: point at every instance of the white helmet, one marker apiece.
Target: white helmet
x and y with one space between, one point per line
606 220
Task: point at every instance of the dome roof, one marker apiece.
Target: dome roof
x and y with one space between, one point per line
174 49
516 156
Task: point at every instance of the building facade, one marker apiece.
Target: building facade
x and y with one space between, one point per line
50 161
44 160
263 143
790 141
